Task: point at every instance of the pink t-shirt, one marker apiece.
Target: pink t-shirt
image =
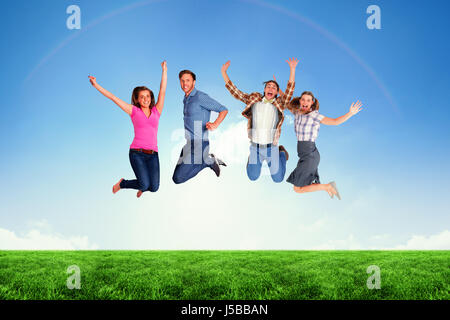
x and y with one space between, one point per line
145 129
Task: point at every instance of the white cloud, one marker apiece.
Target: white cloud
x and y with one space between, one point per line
36 240
231 143
289 119
440 241
317 226
345 244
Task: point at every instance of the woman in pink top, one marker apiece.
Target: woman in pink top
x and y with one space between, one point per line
145 115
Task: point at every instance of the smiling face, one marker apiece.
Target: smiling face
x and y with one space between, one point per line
187 83
270 90
306 101
144 98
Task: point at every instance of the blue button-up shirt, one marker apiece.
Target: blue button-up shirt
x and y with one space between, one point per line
197 111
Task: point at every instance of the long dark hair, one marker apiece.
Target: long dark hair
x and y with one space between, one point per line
135 96
295 102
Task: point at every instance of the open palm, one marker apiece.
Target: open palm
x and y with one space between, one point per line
355 107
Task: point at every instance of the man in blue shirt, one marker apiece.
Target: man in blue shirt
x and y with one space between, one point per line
197 111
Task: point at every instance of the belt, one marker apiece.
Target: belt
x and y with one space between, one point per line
261 145
144 151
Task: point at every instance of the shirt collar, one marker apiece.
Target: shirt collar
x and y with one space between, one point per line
193 93
265 100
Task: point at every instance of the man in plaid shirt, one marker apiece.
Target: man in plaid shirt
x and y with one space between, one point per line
265 114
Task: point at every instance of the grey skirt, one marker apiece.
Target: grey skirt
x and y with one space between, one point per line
306 172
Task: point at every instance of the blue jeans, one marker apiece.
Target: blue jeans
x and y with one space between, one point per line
194 158
146 169
275 160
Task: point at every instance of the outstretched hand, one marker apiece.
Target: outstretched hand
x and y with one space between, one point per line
164 65
225 66
292 62
355 107
93 80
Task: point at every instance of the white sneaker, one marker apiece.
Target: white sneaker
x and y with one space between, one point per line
333 184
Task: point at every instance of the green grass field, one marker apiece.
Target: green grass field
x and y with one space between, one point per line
199 275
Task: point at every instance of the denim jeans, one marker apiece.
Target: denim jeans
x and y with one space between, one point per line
146 169
194 158
275 160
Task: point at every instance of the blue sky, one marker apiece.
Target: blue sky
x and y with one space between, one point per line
65 145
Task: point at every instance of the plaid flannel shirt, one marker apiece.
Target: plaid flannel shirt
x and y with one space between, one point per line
307 125
280 103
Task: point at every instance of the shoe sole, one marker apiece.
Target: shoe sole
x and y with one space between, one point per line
333 184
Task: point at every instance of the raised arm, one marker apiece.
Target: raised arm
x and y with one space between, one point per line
287 95
354 109
224 71
235 92
280 92
162 88
122 104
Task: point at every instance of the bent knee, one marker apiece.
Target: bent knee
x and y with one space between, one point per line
144 186
252 177
177 179
277 179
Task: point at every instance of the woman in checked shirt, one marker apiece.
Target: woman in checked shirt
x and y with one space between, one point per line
305 176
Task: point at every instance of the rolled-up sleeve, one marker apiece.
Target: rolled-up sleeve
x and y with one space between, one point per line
210 104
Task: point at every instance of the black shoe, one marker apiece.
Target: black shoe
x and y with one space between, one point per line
220 162
282 149
215 166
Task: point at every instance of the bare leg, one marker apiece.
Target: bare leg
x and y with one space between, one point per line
316 187
116 187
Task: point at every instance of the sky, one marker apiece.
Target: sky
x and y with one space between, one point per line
65 145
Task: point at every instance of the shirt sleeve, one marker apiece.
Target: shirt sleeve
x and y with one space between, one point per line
210 104
238 94
155 109
316 116
133 111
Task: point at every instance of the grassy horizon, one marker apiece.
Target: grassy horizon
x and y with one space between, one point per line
224 275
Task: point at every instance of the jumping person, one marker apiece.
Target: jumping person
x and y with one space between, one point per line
265 114
195 154
143 154
305 176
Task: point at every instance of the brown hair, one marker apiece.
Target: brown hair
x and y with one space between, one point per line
186 72
135 96
295 102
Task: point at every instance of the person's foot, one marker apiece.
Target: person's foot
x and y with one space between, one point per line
282 149
139 193
215 166
335 190
116 187
220 162
330 193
